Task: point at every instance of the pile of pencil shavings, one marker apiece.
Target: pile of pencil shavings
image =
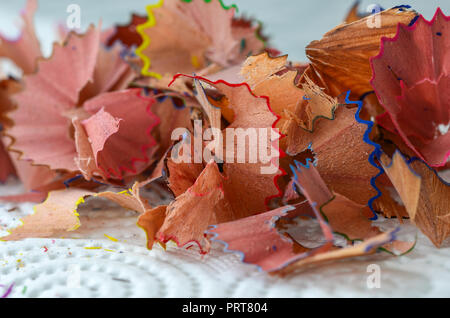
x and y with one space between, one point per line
249 145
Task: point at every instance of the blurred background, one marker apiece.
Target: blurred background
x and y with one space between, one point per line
291 24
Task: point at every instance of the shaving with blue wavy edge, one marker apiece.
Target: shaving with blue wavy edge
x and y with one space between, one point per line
289 164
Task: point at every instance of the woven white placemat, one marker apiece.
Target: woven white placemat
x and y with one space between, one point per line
86 263
103 268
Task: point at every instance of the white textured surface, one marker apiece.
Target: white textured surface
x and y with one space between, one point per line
43 267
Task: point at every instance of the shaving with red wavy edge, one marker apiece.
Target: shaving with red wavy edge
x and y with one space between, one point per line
119 130
250 112
411 77
242 190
